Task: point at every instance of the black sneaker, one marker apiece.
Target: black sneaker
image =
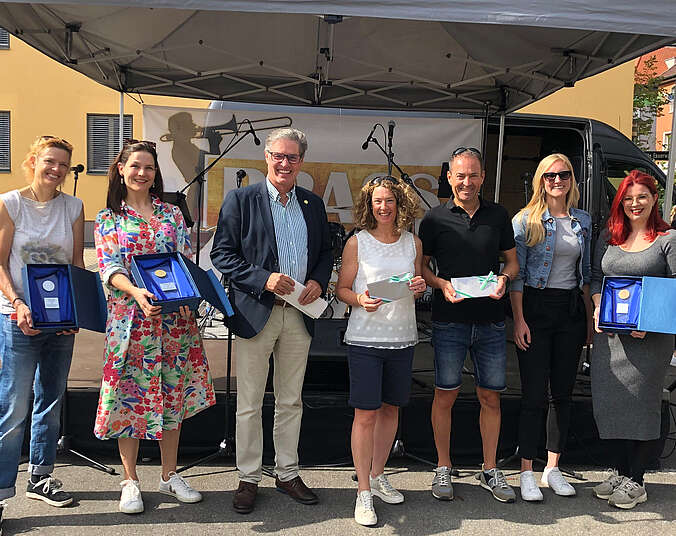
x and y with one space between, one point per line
48 489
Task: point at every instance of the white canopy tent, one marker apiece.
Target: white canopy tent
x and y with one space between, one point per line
479 57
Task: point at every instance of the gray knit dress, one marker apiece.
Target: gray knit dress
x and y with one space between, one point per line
627 374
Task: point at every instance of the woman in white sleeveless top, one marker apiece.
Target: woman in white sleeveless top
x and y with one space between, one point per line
39 224
381 336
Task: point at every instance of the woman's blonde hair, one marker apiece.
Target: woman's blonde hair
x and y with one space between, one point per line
673 213
533 211
39 145
406 198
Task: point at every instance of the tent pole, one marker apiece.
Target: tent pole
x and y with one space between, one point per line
498 167
669 186
121 133
484 132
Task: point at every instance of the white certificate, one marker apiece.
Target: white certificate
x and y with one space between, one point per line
314 309
391 289
476 286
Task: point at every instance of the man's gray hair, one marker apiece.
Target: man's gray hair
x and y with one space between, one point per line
287 133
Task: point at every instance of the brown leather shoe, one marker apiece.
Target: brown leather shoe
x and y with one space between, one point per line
245 497
297 490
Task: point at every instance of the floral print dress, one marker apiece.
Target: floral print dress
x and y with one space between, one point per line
155 372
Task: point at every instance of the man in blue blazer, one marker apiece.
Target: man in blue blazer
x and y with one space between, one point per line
268 235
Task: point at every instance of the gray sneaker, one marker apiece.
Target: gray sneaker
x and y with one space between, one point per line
381 487
442 488
606 488
628 495
495 482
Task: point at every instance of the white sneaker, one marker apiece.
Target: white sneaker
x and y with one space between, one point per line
130 500
364 513
529 487
177 487
553 478
381 488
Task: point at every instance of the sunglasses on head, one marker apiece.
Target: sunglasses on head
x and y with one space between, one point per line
54 138
550 176
461 150
131 141
379 180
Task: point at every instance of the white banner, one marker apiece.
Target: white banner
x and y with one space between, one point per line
335 166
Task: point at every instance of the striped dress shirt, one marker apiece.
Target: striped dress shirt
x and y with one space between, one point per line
290 233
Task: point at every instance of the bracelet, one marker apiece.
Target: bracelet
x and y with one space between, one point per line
358 302
17 298
509 277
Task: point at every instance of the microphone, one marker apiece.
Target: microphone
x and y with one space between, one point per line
77 169
365 145
390 128
240 177
526 178
253 133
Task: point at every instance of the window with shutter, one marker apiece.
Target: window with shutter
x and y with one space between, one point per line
5 161
103 140
4 39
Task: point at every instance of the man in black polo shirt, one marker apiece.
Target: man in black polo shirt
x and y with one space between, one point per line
466 237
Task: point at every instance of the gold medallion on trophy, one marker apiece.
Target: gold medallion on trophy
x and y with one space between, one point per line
160 273
623 294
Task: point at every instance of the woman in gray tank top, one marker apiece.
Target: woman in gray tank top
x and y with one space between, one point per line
39 224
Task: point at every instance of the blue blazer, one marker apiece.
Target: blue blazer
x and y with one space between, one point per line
245 251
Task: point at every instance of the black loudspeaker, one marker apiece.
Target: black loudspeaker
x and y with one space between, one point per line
444 190
327 368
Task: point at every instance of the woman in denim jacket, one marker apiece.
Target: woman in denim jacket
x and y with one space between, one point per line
552 314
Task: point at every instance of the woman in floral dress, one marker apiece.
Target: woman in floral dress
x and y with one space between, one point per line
155 372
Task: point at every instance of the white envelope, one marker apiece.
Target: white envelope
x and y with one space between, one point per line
314 309
471 287
388 290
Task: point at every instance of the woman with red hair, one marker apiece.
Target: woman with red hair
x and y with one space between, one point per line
628 370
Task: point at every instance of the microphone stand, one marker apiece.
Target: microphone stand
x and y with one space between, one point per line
391 163
398 447
226 446
63 443
76 176
199 179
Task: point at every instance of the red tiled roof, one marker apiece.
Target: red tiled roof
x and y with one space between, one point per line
661 55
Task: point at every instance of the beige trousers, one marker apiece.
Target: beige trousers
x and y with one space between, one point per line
286 337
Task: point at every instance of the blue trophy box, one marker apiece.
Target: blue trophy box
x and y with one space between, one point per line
63 297
175 281
638 304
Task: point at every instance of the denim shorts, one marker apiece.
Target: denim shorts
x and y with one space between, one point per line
487 348
379 375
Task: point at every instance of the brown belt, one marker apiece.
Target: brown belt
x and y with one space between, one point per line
281 302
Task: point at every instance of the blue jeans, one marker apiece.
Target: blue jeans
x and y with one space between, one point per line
487 348
41 364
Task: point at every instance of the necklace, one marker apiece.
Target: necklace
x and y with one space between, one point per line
36 197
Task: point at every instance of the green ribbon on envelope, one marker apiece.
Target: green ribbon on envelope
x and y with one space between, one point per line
404 278
490 278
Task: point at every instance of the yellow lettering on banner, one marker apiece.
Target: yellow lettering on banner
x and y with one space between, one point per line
337 184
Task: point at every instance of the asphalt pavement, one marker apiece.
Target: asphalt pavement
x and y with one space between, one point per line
472 512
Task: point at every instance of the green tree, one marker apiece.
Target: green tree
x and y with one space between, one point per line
649 100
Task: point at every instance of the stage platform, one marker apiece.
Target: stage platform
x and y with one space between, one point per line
327 417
